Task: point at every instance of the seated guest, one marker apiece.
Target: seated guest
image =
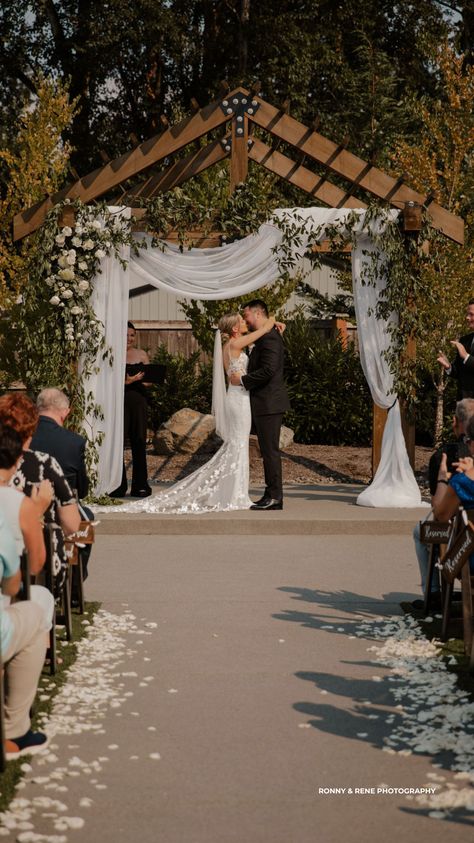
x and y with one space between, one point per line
67 447
23 648
457 489
453 450
24 517
19 412
51 437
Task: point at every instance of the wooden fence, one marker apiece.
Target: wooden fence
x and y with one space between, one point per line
177 336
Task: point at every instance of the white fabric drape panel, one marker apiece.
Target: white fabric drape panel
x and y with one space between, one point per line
238 269
110 302
394 483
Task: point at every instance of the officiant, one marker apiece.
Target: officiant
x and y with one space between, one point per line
135 418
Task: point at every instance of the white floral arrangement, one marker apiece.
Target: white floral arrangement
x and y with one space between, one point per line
73 262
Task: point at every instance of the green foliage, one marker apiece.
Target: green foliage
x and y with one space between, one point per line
353 63
187 384
52 326
330 400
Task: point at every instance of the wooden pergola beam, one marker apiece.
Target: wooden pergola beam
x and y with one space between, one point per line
178 172
337 159
134 161
302 177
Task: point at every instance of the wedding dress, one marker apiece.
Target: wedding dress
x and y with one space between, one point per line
222 483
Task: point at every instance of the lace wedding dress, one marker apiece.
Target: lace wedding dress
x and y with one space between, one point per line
222 483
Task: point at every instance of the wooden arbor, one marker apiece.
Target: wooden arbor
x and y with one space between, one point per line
153 167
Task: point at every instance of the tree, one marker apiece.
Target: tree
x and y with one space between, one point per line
31 167
441 163
351 63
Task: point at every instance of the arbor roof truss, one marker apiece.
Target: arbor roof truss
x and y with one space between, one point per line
243 110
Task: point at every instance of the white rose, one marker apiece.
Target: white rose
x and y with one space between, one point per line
100 253
62 261
76 311
54 300
67 231
88 244
66 294
71 259
66 274
79 229
60 239
83 285
82 264
76 241
96 224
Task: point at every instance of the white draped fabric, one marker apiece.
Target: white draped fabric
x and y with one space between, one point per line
394 483
232 270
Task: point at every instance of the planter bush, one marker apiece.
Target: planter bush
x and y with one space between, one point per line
330 400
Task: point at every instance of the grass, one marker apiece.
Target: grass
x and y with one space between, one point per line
13 773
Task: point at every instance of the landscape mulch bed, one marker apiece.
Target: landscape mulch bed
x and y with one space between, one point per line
305 464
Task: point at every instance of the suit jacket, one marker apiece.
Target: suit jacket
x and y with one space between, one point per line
264 378
67 447
464 372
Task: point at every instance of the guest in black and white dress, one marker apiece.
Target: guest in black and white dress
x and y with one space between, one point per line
19 412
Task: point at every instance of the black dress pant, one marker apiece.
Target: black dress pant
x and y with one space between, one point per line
268 433
135 429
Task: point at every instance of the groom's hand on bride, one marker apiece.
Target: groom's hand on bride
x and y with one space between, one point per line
235 379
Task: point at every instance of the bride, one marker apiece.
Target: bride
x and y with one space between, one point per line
222 483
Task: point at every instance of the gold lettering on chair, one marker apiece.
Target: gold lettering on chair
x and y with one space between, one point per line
455 558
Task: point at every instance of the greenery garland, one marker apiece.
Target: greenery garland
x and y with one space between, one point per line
53 329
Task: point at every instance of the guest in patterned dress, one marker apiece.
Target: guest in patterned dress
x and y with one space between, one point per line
19 412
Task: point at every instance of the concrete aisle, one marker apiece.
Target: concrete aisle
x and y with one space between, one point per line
254 705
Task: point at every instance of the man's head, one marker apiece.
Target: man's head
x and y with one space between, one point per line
53 403
470 314
464 411
255 313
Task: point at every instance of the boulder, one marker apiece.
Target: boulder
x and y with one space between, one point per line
286 437
186 432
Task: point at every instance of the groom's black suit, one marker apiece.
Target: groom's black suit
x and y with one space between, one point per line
268 400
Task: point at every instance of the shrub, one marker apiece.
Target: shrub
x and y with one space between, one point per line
187 384
330 400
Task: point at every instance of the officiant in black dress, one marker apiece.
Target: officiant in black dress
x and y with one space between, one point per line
135 420
268 400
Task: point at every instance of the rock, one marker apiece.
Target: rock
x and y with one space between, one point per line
286 436
186 432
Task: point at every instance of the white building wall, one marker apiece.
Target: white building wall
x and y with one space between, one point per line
159 306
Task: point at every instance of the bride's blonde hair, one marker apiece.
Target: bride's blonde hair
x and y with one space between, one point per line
227 323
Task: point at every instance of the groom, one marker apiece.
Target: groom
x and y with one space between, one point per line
268 400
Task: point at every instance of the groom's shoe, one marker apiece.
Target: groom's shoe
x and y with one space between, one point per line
267 503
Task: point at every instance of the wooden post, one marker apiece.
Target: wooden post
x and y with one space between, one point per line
339 326
379 418
239 161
